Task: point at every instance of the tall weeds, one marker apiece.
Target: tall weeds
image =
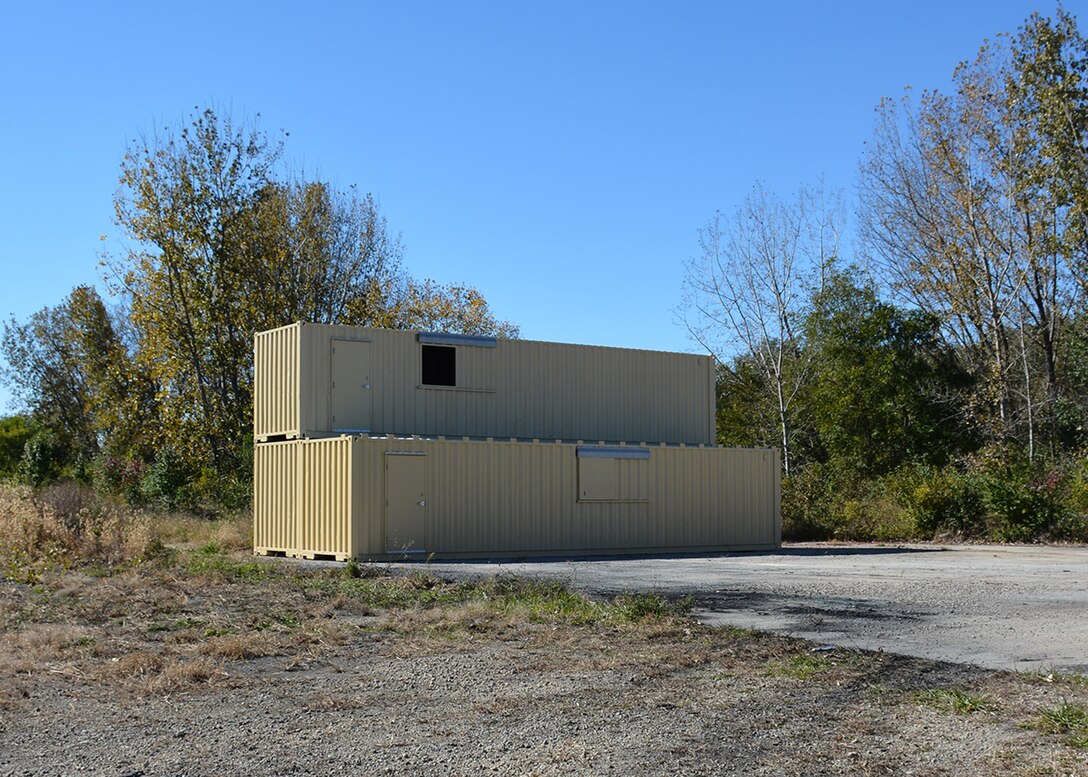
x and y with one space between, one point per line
63 524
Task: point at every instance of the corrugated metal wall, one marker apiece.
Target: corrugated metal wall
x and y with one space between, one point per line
504 498
326 497
518 389
276 383
275 498
302 498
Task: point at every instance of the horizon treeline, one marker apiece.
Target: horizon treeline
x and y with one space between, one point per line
152 398
936 382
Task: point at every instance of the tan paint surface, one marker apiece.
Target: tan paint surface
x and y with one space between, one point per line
405 503
520 388
504 498
352 386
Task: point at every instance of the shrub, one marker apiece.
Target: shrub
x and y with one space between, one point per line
15 432
939 500
806 505
827 502
119 474
41 460
162 483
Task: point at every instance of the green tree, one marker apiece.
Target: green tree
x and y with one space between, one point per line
223 247
74 376
884 388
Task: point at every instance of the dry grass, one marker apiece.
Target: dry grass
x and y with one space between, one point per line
63 524
239 647
227 534
48 646
183 674
454 621
141 664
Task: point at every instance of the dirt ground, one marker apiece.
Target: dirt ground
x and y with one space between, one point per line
209 664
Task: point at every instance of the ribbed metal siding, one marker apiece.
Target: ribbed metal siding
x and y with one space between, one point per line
276 383
518 389
302 497
275 497
325 493
510 497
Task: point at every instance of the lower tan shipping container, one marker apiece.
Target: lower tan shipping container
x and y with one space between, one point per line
390 498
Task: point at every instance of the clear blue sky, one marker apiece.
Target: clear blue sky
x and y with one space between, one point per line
558 156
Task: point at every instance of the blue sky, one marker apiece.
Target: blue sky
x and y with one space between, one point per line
559 157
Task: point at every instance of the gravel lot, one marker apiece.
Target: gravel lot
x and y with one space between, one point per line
1022 608
222 665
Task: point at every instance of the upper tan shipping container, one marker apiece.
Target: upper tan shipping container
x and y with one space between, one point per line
315 380
388 497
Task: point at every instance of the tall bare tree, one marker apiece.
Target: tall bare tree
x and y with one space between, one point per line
745 295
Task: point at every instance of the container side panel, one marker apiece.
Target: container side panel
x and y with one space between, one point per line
326 497
276 383
275 514
517 389
511 497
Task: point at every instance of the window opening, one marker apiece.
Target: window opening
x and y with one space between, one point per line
439 365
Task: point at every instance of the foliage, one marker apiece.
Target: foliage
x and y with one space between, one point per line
973 204
940 501
41 460
70 368
956 405
163 481
15 432
879 375
153 401
432 307
825 502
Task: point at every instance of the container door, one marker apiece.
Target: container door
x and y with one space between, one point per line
352 387
405 503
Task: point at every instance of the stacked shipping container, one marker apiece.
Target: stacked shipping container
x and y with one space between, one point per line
378 444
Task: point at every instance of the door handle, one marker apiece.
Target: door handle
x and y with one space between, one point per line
422 503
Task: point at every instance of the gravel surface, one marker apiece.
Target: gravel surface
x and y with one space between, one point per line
299 673
1022 608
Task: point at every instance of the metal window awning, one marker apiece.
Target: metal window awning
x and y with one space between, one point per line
441 338
617 452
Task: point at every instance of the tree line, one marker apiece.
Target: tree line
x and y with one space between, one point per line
938 382
151 397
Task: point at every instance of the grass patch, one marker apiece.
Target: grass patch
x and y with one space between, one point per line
1068 720
801 666
631 608
234 532
953 700
208 561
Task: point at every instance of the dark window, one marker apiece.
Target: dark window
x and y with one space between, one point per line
439 365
